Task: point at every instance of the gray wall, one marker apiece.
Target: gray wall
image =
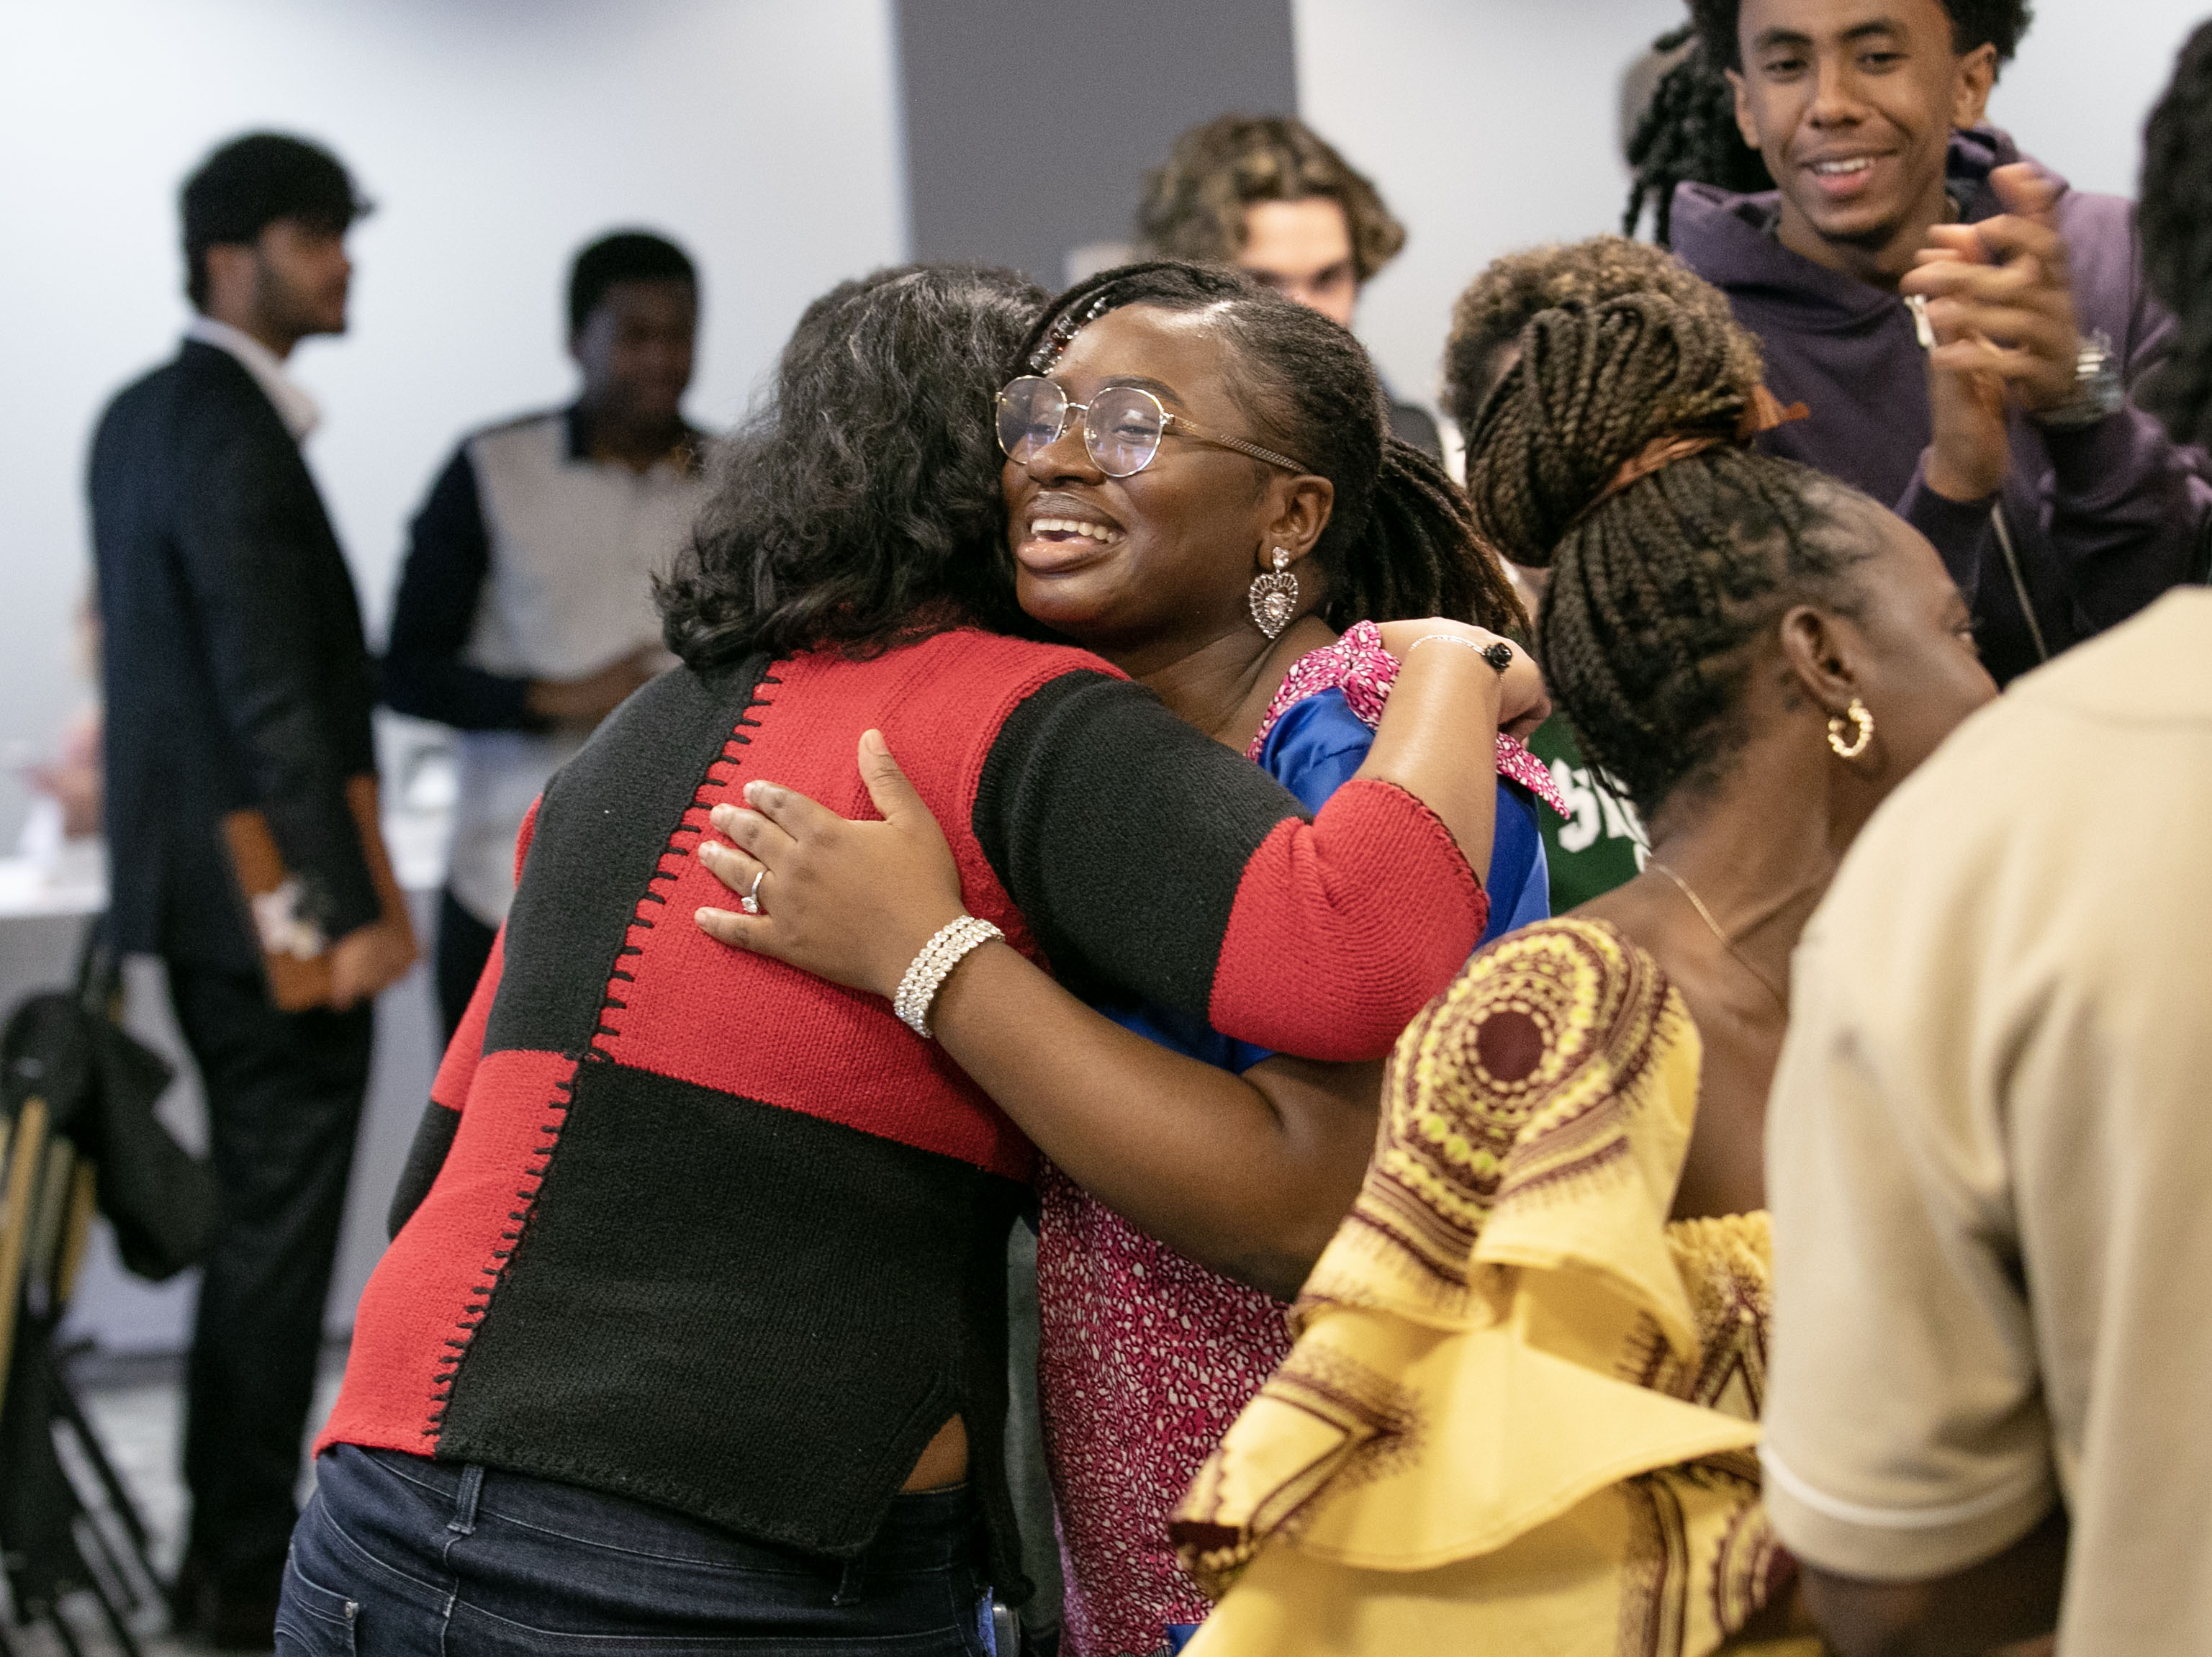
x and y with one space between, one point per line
1029 125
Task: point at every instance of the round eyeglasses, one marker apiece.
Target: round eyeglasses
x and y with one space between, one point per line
1122 427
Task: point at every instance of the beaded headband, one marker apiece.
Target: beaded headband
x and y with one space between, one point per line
1062 333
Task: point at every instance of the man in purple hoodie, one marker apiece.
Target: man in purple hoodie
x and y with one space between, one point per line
2059 507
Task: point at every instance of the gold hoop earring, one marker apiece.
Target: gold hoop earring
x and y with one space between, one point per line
1275 596
1863 734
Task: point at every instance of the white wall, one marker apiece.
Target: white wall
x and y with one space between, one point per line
1492 125
496 136
2086 77
1487 124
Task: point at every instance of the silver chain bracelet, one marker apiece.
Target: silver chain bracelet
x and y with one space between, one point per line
946 949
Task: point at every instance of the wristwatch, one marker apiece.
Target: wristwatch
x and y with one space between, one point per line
2098 391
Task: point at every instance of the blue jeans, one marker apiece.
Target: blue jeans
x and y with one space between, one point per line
398 1555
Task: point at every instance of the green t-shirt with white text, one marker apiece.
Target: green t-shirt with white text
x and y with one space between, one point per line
1602 844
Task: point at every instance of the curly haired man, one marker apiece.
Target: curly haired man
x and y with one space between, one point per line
1269 194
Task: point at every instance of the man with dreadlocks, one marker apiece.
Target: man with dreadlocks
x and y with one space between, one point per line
1902 232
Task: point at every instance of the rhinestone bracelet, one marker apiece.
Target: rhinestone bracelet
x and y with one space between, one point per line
1498 654
917 991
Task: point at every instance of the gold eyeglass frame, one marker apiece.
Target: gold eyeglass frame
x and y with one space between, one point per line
1169 422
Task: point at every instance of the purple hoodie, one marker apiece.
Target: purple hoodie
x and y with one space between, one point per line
2101 520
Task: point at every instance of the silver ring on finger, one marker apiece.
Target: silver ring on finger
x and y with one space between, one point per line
750 901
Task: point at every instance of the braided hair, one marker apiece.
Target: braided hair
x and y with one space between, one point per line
1660 589
1688 134
1400 540
2175 219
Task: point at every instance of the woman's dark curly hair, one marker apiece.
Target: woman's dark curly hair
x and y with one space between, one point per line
1660 591
2175 219
1688 132
1400 542
1194 206
859 505
1497 304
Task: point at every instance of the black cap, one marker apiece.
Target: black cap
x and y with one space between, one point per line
251 182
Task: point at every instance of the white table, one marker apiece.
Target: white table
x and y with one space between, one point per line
44 902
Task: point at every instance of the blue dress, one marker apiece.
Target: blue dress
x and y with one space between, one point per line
1313 751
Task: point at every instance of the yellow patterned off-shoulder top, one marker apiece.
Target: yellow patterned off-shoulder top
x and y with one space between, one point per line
1522 1405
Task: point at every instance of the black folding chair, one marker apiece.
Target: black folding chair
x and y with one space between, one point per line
77 1133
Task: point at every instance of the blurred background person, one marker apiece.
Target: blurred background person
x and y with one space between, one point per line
69 785
235 676
2175 218
1269 194
525 612
2058 508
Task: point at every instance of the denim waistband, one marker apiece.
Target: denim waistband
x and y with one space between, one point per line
924 1530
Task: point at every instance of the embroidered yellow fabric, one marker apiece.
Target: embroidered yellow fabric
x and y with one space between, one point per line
1520 1411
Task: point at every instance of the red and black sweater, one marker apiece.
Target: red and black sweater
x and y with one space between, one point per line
691 1226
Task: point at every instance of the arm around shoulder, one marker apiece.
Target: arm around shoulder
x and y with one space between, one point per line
1150 857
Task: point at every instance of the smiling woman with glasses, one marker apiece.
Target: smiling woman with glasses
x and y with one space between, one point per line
1200 485
692 1335
1121 426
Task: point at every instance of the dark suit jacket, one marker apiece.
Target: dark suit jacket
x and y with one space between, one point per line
232 653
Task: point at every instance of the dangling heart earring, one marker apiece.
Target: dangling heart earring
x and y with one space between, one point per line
1275 596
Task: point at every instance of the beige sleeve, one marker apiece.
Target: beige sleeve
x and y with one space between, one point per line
1905 1431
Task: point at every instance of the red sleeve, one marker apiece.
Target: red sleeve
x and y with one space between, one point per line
1345 928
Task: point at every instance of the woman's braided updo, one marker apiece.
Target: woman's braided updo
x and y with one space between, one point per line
1658 588
1400 542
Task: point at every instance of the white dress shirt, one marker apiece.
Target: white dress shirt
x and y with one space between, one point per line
294 407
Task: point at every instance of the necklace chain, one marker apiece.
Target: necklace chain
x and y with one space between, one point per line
1714 927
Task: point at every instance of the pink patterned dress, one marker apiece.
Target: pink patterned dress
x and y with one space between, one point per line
1145 1357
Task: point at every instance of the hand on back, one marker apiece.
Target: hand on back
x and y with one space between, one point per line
853 902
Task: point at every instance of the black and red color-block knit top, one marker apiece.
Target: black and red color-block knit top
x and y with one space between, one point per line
689 1225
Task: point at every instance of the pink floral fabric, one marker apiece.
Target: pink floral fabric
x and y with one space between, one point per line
1144 1359
1357 665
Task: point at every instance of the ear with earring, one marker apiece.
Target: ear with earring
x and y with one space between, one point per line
1862 731
1275 596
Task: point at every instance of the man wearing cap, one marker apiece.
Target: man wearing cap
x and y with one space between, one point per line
239 686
